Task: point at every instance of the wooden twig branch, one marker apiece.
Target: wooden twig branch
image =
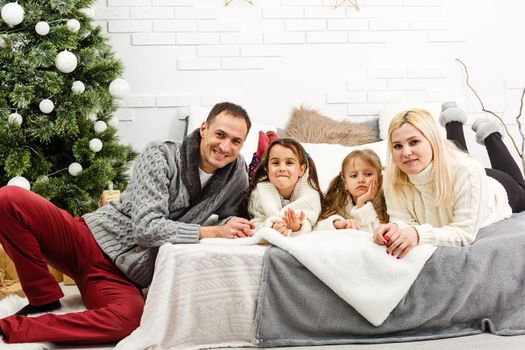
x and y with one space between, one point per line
518 120
497 116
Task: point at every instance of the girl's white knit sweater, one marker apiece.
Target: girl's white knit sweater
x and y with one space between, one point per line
366 217
265 205
477 201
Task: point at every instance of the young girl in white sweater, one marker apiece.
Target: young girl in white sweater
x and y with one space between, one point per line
438 194
354 198
285 192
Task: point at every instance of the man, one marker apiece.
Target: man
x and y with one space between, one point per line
110 253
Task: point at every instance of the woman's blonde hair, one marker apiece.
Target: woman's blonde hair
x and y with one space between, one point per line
442 151
337 196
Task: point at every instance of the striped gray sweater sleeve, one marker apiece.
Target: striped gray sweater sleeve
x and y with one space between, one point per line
151 201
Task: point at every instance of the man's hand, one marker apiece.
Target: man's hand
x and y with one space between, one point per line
369 195
293 221
402 241
384 232
348 223
280 226
235 228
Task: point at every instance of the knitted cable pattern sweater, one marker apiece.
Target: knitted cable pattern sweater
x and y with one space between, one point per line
478 201
265 205
164 203
366 216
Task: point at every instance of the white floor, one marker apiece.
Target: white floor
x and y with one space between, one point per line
476 342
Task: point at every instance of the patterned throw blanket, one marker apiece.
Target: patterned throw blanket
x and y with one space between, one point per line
201 297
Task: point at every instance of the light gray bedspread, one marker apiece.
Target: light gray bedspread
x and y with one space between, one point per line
460 291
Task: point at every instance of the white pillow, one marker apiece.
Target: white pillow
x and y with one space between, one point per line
198 114
390 110
328 158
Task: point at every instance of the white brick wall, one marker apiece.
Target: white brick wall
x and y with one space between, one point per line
283 12
129 26
175 26
152 13
153 39
305 25
277 54
218 51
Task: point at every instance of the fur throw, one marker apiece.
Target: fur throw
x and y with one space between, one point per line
308 125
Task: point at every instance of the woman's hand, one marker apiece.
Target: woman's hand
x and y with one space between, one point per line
401 242
383 233
348 223
369 195
281 227
293 221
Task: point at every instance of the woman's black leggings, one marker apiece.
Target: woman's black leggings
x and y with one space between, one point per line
504 167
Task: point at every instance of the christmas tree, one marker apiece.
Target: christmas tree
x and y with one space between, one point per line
58 82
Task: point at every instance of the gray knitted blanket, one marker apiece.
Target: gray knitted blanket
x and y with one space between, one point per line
459 291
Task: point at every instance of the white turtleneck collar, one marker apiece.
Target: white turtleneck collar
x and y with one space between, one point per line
424 177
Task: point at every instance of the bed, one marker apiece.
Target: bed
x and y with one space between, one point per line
230 296
205 296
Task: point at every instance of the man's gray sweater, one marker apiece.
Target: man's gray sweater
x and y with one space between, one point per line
164 203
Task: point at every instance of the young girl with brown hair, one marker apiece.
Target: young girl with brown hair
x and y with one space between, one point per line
285 192
355 198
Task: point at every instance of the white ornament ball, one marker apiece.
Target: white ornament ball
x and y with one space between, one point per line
92 117
12 14
46 106
15 119
19 181
66 62
42 28
113 122
73 25
42 178
74 169
100 126
119 88
3 44
78 87
95 145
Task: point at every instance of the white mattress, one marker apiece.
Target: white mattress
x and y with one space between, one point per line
200 298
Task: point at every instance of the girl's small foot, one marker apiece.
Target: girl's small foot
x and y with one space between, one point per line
451 113
485 128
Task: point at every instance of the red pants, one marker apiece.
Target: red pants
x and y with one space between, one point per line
34 232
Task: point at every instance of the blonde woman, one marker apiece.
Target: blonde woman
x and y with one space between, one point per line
438 194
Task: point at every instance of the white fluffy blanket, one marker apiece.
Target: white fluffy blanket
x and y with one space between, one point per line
201 296
13 303
351 264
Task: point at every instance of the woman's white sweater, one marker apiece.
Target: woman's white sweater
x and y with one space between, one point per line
477 201
265 205
365 216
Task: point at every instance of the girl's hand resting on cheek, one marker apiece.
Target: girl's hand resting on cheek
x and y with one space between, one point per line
369 195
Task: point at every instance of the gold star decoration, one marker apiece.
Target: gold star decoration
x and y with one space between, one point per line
351 3
227 2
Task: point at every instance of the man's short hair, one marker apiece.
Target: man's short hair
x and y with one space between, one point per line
231 109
